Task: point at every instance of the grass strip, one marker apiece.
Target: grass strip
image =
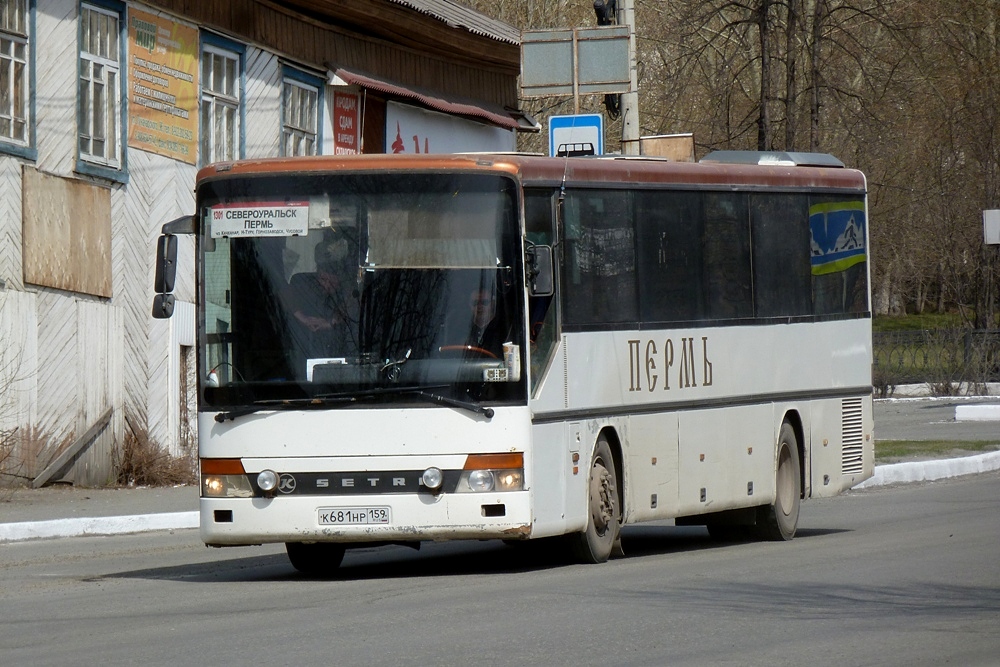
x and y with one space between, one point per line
895 450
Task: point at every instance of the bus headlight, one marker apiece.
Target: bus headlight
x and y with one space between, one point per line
224 478
481 480
492 472
226 486
267 481
432 478
510 480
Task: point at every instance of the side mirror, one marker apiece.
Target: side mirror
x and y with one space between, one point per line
541 279
163 306
166 264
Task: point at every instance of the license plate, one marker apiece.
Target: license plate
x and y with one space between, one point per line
348 516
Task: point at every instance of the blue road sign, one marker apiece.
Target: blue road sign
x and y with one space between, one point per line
576 133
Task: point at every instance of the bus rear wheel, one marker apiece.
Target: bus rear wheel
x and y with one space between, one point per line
594 545
316 559
779 520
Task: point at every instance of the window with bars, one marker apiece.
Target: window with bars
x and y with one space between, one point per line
300 113
100 95
220 104
14 80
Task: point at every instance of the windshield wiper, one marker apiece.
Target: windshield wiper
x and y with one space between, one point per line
421 391
457 403
283 404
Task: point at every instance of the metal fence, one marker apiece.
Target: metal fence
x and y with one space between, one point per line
942 357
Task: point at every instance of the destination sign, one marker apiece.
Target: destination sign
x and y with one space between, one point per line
240 220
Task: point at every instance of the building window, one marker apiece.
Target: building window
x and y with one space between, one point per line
14 71
300 114
100 86
220 104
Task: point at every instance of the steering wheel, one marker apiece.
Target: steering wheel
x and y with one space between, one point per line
468 348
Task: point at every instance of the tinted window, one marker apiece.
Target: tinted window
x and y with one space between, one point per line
839 257
599 280
709 256
781 270
726 257
670 228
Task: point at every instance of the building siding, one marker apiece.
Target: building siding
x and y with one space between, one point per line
68 358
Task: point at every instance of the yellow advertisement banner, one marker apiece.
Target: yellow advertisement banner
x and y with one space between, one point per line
163 86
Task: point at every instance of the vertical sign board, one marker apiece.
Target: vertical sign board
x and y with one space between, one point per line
163 86
991 226
581 61
580 129
346 123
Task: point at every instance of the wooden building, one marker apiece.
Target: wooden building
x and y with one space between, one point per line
107 110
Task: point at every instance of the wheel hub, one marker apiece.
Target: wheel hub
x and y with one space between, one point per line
604 495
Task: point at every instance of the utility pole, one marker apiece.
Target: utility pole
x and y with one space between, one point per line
630 100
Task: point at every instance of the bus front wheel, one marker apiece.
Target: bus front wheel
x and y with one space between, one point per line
779 520
594 545
316 559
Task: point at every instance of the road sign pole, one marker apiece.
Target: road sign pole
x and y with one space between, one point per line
630 100
576 72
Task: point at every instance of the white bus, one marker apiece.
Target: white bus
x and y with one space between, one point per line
406 348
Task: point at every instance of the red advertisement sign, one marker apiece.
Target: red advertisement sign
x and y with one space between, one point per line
346 123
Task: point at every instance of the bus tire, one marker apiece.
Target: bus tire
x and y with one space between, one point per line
594 545
316 559
779 520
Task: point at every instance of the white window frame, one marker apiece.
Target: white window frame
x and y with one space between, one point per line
220 104
100 89
15 94
299 118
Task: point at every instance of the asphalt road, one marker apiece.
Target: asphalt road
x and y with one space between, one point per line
904 575
932 419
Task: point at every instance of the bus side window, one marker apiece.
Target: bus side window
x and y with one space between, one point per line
725 239
782 281
839 257
539 206
669 256
598 255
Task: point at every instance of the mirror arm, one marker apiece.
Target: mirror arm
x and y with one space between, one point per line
186 224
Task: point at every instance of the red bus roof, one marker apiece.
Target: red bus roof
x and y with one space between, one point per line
574 171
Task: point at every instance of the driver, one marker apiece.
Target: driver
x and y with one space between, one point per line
319 301
487 330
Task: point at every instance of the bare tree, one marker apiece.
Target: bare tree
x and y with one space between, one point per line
903 89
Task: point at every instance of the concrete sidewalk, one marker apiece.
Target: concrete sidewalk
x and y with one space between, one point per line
67 511
63 511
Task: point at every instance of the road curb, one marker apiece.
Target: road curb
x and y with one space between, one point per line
928 471
92 526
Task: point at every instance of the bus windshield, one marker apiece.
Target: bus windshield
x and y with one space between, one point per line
371 287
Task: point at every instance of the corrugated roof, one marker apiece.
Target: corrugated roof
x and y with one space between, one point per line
510 119
460 16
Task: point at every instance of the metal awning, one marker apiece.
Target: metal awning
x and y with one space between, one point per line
505 117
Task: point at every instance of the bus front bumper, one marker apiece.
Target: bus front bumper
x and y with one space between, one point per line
373 518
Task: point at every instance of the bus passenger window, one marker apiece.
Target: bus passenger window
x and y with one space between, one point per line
669 256
726 251
839 256
781 278
599 285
